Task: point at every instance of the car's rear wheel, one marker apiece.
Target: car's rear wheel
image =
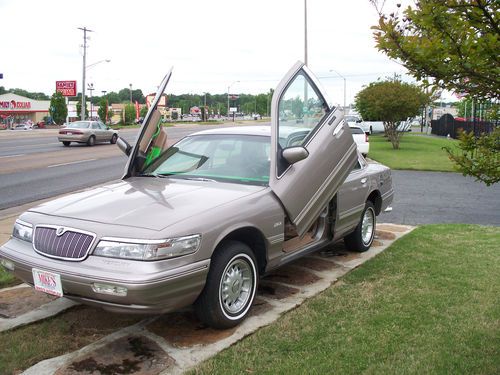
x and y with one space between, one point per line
362 238
113 139
91 141
230 287
66 143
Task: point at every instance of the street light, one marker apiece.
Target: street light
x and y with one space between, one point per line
104 94
228 89
97 62
130 85
341 76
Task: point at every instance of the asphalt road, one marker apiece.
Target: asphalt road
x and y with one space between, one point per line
439 197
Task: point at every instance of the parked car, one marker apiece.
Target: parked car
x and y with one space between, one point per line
23 126
88 132
199 222
361 139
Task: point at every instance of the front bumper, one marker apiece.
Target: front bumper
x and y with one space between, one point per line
151 286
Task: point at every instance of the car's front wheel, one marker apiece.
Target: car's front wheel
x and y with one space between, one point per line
361 239
230 287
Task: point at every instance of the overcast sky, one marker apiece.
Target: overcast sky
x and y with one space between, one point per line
210 44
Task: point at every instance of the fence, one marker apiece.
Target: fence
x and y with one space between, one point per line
447 124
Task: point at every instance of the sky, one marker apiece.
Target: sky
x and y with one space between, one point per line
212 45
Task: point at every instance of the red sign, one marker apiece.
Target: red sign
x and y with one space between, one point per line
15 105
66 88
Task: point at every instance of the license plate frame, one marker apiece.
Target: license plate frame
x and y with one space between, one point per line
47 282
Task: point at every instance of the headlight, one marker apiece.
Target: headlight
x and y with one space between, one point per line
148 250
23 231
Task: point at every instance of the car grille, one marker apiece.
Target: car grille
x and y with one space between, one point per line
68 244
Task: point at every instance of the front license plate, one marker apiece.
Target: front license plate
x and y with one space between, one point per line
47 282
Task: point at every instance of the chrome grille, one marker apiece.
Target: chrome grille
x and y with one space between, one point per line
62 243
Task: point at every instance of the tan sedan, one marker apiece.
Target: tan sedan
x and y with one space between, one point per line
88 132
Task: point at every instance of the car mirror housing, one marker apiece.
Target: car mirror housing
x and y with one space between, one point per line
294 154
124 146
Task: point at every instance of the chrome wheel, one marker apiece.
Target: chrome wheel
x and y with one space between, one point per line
236 286
368 226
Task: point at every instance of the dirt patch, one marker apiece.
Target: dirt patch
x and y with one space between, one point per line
384 235
128 355
316 264
292 275
182 329
276 291
18 301
377 243
392 228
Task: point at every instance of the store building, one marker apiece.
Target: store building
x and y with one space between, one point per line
16 109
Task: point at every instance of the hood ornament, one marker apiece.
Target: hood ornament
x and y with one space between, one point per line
60 231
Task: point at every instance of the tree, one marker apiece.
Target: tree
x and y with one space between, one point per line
103 109
478 157
58 109
79 109
143 112
129 114
456 42
391 101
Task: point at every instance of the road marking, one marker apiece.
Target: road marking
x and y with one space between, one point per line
73 162
11 156
35 145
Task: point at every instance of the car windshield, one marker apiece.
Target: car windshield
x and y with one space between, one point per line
226 158
351 118
79 125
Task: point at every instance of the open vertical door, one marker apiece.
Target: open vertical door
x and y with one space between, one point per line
152 137
312 149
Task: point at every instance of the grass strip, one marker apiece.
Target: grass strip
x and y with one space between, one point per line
416 152
430 304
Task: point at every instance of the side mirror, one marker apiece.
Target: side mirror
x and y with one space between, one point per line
124 146
294 154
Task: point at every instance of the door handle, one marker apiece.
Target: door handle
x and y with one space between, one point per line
338 130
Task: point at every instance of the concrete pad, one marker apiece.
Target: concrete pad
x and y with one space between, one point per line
134 354
292 275
18 301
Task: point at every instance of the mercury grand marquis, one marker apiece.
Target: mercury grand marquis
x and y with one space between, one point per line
201 221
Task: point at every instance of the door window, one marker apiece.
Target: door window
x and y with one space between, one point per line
301 109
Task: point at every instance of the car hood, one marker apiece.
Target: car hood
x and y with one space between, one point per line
145 202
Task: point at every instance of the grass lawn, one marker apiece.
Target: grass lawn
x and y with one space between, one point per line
430 304
417 152
6 279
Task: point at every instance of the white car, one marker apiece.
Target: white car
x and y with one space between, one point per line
361 139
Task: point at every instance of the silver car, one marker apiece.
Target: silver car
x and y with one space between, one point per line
201 221
88 132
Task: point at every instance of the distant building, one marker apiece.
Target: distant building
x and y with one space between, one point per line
15 109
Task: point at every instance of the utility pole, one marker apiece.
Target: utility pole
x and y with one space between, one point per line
130 85
85 30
